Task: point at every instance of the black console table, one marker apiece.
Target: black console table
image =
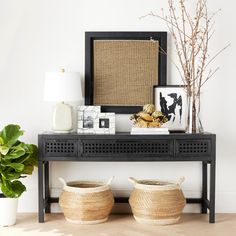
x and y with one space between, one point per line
126 147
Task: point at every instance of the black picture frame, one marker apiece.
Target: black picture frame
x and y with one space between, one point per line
89 85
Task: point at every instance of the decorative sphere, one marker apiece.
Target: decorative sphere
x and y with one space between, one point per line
149 108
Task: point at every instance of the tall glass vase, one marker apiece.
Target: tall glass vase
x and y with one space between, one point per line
194 124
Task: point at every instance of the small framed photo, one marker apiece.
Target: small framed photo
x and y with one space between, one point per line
171 100
105 123
87 117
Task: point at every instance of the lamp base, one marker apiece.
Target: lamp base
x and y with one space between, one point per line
62 118
61 131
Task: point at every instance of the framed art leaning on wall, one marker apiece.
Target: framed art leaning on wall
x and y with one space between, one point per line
171 100
121 69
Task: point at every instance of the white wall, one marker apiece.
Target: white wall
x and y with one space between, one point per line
45 35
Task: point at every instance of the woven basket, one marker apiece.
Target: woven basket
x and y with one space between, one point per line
86 202
156 202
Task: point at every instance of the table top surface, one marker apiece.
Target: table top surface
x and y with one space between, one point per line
125 134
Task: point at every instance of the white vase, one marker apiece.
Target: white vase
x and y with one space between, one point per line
8 210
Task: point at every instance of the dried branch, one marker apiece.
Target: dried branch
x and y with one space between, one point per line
217 54
191 34
158 16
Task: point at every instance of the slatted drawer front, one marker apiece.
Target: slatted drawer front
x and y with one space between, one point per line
60 147
192 147
94 147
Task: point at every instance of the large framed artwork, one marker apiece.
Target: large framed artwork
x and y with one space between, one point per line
121 69
171 100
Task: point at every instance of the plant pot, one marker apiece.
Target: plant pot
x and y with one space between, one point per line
8 210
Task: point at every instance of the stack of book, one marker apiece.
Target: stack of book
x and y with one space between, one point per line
136 130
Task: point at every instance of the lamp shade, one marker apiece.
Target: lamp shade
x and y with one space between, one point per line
62 86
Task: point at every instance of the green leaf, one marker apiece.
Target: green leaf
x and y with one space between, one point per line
18 187
28 170
18 167
29 164
4 150
12 189
33 152
1 141
23 158
29 160
27 147
10 134
34 155
15 153
11 175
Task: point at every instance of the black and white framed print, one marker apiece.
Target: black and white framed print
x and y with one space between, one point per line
171 100
87 117
105 123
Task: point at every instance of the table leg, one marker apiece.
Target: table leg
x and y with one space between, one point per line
40 192
204 187
212 193
47 193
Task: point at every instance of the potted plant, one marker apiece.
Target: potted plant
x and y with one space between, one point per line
17 159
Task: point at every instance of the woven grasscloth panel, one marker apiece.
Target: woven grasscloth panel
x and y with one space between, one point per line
125 71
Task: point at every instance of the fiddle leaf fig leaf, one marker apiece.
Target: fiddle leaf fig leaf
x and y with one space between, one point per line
18 188
33 155
10 134
15 153
4 150
18 167
28 170
1 141
12 189
12 175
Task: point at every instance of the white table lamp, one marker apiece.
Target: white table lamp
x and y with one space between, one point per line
60 87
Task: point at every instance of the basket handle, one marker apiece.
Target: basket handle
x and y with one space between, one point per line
133 180
181 180
62 181
109 181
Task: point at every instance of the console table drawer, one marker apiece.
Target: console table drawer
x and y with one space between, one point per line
130 148
185 147
60 148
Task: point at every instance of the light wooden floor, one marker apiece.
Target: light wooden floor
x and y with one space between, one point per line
122 225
